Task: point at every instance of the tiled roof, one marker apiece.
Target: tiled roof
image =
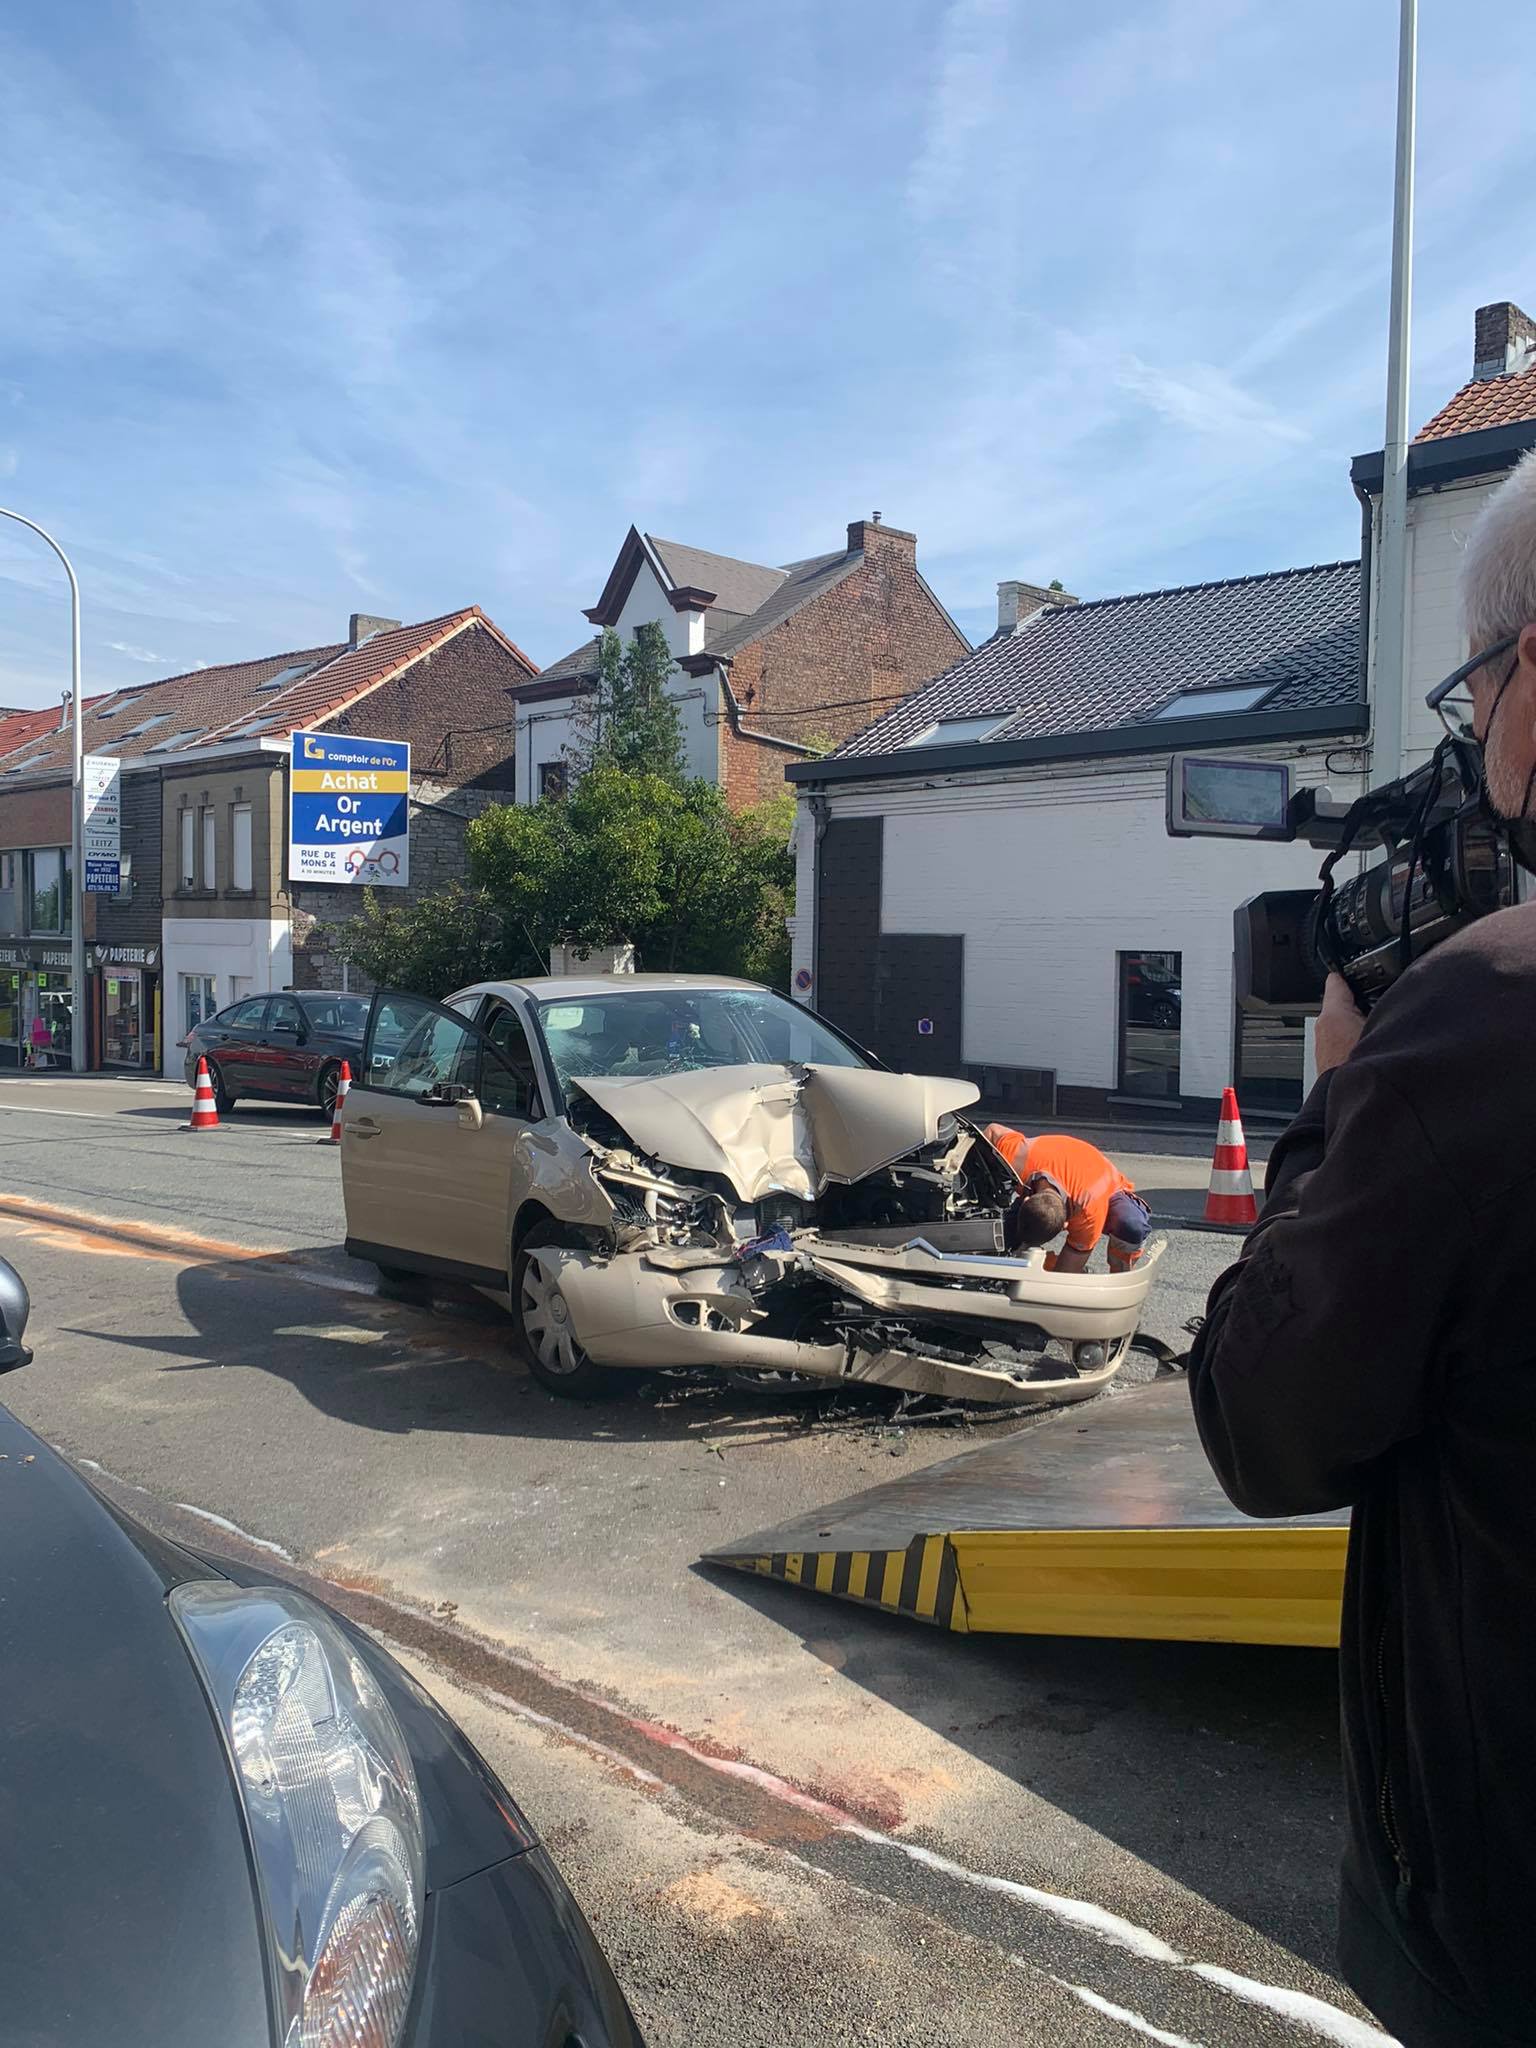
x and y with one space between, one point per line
211 706
738 586
1117 660
797 585
350 671
727 626
195 702
21 728
1485 402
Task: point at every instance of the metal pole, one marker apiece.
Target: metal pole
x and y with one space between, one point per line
79 1020
1391 635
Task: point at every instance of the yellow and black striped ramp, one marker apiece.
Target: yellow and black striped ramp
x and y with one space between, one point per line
1102 1520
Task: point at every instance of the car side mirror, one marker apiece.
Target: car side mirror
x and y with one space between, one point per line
470 1115
15 1307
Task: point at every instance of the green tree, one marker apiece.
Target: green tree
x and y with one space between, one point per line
628 721
663 865
436 944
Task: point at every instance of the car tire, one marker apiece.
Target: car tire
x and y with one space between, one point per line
330 1081
1164 1015
223 1101
544 1339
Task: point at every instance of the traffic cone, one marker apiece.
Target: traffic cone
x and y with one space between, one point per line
342 1086
205 1111
1230 1199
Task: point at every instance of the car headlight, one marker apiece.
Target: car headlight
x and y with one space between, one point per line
330 1799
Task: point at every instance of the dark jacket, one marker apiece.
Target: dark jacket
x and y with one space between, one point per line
1375 1347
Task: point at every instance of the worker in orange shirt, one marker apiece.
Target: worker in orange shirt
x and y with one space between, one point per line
1068 1184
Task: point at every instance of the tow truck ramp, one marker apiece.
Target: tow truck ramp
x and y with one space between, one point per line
1102 1520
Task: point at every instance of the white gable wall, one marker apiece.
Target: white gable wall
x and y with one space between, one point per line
1049 875
550 729
1438 524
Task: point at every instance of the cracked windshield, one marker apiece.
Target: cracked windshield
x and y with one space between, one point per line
767 813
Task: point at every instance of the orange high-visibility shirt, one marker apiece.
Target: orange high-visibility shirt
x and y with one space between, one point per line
1079 1169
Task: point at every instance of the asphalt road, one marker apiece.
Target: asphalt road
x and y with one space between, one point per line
789 1820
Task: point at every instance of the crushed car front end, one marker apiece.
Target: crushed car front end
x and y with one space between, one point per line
833 1222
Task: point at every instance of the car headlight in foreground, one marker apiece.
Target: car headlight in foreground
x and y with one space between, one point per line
331 1803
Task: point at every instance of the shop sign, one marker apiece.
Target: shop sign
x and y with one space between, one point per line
127 956
348 810
103 782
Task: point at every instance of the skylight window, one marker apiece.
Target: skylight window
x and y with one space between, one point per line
957 732
112 710
1208 703
145 724
178 739
287 675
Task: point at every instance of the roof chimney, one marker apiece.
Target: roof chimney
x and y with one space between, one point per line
66 710
363 625
1504 340
1017 602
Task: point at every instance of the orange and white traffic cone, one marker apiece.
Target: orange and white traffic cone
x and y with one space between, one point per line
1230 1199
205 1111
343 1084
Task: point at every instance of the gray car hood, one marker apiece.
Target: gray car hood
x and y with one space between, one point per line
779 1130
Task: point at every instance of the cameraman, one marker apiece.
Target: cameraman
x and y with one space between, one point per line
1346 1362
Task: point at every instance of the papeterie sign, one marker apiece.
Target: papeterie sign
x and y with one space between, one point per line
348 810
103 779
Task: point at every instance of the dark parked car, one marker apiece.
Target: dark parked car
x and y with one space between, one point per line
283 1048
1153 999
231 1818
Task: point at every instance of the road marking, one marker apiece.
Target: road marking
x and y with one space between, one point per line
1133 2020
1314 2013
234 1528
95 1116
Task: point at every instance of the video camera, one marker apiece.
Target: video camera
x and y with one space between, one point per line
1448 862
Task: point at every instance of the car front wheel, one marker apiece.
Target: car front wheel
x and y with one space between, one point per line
223 1100
545 1335
330 1081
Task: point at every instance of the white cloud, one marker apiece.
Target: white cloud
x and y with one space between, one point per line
133 653
1203 400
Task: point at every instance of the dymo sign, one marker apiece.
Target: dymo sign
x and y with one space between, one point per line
348 806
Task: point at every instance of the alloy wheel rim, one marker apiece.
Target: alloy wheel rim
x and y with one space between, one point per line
547 1322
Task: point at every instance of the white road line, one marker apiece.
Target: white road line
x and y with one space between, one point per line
99 1116
234 1529
1126 2018
1314 2013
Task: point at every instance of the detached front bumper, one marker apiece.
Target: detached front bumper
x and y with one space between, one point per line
655 1309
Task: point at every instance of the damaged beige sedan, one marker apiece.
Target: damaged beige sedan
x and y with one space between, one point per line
673 1171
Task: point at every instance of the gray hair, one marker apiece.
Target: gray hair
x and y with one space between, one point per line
1498 570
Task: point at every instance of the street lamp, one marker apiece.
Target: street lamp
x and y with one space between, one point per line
77 1029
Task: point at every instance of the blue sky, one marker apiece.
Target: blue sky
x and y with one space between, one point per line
313 308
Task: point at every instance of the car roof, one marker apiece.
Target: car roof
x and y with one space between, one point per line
551 987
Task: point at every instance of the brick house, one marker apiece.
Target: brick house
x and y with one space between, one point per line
773 664
207 912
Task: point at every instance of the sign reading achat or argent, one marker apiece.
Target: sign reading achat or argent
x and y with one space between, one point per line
348 810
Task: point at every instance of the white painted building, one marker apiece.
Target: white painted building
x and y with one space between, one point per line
985 880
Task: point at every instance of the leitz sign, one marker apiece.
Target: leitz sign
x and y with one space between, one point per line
348 810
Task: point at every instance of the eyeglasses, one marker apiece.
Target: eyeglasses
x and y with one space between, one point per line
1455 710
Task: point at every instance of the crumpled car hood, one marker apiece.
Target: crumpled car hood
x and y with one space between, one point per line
779 1130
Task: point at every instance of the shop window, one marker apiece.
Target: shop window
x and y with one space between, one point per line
123 1018
210 876
187 827
197 999
240 847
1271 1056
1151 1020
48 879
